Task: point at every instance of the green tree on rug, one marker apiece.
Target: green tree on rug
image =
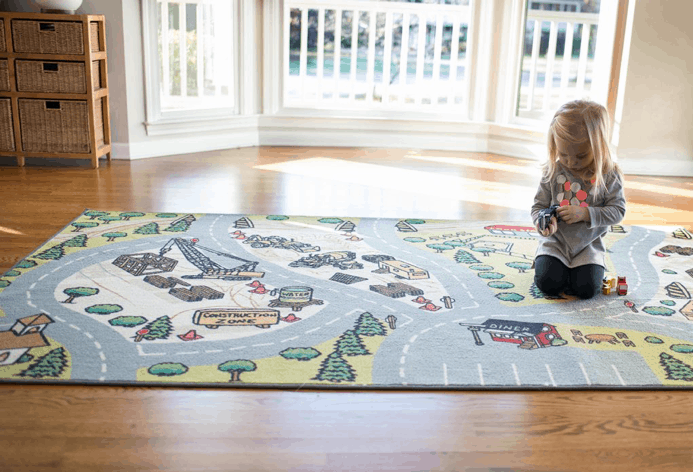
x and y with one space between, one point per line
465 257
80 225
168 369
658 310
75 292
103 309
455 243
128 321
112 236
439 247
415 221
333 221
521 266
682 348
12 273
130 214
300 353
178 227
149 228
78 241
350 344
490 275
675 369
484 250
4 283
54 253
25 358
51 365
236 368
335 369
535 292
160 328
166 215
509 297
108 218
26 264
369 325
502 285
93 214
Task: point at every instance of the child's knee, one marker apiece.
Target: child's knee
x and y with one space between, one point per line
586 290
548 285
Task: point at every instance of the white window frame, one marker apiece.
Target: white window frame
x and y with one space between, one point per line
158 122
275 63
603 60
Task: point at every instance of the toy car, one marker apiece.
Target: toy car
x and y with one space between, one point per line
606 287
621 286
545 217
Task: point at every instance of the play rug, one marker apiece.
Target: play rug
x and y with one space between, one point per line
287 301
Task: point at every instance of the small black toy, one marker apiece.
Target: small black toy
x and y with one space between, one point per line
545 216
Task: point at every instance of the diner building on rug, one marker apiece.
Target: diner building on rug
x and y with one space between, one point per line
527 335
25 334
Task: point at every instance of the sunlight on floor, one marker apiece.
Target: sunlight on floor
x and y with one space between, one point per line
10 231
534 169
409 181
531 168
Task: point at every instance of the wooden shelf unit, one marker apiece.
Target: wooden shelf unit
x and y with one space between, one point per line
54 87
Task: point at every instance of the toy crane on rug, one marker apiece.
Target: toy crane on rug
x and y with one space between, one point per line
209 268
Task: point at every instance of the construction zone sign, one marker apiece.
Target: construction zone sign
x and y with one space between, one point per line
213 318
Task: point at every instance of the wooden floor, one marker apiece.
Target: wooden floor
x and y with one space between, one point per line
168 429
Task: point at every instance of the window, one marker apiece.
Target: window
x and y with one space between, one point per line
193 70
559 56
350 54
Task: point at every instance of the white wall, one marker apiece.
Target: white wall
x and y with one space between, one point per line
656 112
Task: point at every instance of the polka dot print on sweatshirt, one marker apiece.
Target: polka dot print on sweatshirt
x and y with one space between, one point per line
571 193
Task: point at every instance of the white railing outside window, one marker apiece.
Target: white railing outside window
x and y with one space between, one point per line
562 69
349 55
195 64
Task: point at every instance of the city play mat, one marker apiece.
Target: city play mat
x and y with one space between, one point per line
123 297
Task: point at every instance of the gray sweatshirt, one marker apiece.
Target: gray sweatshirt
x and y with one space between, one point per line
579 243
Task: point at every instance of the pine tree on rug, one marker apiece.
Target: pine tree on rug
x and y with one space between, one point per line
675 369
51 365
335 369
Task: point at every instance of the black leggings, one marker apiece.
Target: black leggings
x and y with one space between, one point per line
552 276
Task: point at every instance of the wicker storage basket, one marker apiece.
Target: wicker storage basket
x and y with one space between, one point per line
54 125
94 32
47 37
51 77
98 122
6 126
3 43
96 75
4 76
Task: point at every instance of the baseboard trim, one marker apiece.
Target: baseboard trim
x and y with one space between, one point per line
327 131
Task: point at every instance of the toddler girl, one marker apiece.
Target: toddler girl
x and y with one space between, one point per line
587 184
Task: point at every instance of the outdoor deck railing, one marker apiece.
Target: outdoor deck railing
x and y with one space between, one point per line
549 95
196 54
431 69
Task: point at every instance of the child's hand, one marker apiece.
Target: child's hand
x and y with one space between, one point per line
552 228
573 214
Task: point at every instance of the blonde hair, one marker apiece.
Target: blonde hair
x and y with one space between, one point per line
589 117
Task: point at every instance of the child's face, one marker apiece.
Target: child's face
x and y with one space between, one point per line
575 156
